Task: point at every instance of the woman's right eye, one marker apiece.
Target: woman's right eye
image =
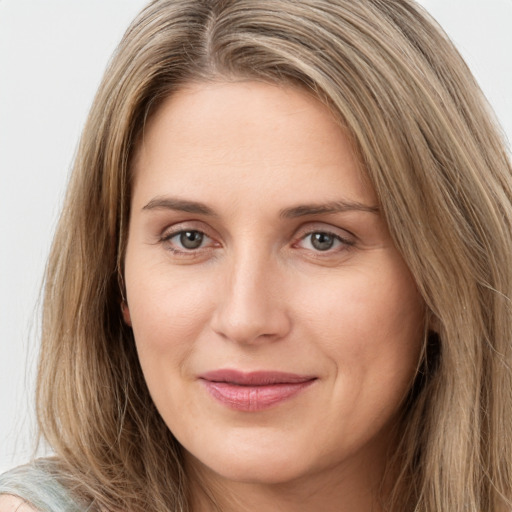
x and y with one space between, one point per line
187 240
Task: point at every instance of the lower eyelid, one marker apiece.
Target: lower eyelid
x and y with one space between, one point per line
340 246
208 243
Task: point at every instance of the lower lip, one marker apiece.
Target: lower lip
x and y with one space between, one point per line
254 398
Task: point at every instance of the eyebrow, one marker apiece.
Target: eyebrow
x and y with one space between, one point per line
327 208
172 203
332 207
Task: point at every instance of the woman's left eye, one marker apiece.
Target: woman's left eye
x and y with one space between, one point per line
323 241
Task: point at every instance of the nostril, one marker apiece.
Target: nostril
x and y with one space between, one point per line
250 325
250 308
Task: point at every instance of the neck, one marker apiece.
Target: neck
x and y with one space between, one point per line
353 487
286 498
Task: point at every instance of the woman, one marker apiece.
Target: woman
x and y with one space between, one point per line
281 280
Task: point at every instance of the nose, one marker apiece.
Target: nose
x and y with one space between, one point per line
252 305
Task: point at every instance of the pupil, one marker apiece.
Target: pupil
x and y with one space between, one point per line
191 239
322 241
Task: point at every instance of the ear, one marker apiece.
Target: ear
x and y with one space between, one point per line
434 323
126 313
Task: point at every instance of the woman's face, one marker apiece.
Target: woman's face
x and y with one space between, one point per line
277 326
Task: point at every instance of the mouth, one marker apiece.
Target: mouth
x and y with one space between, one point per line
254 391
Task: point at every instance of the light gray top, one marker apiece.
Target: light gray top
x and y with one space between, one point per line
37 484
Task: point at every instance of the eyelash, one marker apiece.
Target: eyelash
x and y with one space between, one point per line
166 239
341 243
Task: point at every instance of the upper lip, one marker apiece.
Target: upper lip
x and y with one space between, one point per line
257 378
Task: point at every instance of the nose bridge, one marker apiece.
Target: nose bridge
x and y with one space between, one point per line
251 306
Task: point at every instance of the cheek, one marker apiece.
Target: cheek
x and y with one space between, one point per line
370 324
168 314
167 310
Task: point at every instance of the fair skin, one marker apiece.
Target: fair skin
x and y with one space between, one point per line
256 245
10 503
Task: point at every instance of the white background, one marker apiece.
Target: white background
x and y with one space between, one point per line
52 55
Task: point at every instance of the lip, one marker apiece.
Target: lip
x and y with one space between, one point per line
254 391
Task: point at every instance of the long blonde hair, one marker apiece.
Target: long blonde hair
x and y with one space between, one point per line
438 163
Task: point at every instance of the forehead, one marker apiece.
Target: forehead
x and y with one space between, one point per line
248 136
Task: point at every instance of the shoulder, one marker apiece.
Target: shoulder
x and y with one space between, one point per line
41 486
9 503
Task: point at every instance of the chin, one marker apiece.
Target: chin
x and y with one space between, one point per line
253 467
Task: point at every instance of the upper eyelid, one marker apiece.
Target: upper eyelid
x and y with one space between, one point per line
301 232
315 227
206 245
171 234
342 240
190 225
